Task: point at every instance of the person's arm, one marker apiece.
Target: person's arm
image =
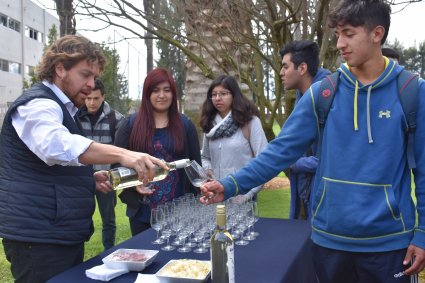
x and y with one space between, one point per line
39 125
122 135
258 142
193 143
205 155
257 139
305 165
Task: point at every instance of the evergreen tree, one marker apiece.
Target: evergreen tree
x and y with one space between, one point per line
116 88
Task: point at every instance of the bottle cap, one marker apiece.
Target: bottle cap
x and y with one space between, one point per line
221 209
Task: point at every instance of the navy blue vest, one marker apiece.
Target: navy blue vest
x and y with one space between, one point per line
41 203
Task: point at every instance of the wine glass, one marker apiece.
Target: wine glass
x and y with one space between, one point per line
256 209
157 218
197 175
166 233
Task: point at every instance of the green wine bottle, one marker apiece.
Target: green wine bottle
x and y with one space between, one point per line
123 177
222 250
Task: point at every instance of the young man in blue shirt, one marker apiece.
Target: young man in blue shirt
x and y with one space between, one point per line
363 215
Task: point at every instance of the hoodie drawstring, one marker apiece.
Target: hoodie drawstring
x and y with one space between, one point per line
356 94
356 125
369 128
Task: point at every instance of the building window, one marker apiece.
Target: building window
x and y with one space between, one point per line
3 20
11 67
4 65
34 34
29 70
14 68
15 25
10 23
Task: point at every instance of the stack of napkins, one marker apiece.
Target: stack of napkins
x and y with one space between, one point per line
104 273
146 278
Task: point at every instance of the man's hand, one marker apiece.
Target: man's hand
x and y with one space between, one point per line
212 192
102 181
418 256
143 163
144 190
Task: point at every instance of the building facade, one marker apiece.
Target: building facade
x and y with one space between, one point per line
24 28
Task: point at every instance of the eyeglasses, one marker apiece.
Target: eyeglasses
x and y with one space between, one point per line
221 94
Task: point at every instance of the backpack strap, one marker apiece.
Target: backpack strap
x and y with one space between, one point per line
324 101
408 93
246 131
112 124
408 90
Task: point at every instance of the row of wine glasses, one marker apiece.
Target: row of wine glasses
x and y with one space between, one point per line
187 225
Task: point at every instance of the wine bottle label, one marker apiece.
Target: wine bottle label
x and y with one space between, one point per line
231 262
124 172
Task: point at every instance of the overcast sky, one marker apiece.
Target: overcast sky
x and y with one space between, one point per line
407 25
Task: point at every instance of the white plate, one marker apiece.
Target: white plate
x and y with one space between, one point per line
132 259
173 279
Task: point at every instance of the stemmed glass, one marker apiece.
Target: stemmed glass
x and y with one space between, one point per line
197 175
256 218
157 218
204 218
183 234
166 233
241 226
250 220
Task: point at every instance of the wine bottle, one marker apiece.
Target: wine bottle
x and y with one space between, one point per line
123 177
222 250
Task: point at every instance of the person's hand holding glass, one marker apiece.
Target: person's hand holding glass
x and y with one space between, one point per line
145 191
198 176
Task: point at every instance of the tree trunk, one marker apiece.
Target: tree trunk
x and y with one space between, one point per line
149 10
66 14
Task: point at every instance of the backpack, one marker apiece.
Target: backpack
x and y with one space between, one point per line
408 93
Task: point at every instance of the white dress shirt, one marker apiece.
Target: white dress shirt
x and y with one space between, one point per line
39 125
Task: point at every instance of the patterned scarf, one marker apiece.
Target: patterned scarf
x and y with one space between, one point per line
226 128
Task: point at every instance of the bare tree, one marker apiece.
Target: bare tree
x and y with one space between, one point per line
237 37
66 13
149 8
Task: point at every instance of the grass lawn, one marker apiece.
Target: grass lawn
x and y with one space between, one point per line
272 204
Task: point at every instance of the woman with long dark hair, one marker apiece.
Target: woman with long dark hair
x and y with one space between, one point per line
233 133
158 128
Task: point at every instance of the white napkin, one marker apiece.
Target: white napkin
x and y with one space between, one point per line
104 273
146 278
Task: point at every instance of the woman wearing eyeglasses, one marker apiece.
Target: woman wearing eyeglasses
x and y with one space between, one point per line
233 133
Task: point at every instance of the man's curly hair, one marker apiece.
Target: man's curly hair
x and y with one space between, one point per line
69 50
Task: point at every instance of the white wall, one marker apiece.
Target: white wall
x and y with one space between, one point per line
17 47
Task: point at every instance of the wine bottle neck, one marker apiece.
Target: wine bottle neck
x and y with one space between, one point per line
221 221
178 164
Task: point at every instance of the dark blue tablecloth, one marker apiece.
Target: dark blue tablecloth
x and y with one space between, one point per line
282 253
